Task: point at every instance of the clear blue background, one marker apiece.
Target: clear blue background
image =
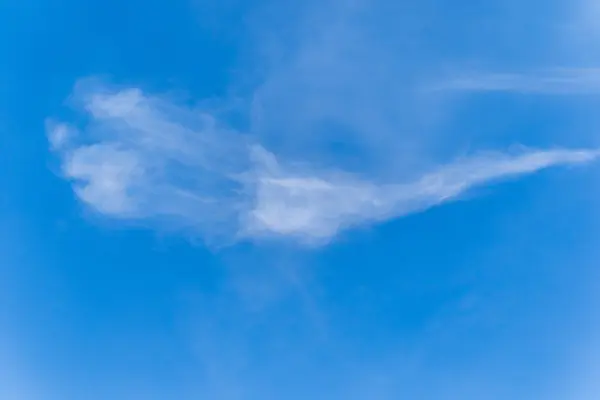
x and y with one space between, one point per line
487 298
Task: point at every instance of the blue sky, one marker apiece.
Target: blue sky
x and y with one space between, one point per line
333 199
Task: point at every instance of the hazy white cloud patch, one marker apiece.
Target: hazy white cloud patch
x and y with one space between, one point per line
58 134
142 157
557 81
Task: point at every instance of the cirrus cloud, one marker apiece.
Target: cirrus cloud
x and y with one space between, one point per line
142 157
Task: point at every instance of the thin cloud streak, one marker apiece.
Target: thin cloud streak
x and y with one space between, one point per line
319 206
557 81
144 158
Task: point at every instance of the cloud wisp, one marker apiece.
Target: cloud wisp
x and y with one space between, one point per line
143 158
556 81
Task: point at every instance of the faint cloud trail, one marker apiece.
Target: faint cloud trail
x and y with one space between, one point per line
554 81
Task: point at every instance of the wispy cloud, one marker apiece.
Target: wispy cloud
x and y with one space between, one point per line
319 206
336 137
557 81
142 157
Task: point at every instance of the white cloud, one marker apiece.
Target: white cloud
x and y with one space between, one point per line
106 177
557 81
337 135
144 158
319 206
